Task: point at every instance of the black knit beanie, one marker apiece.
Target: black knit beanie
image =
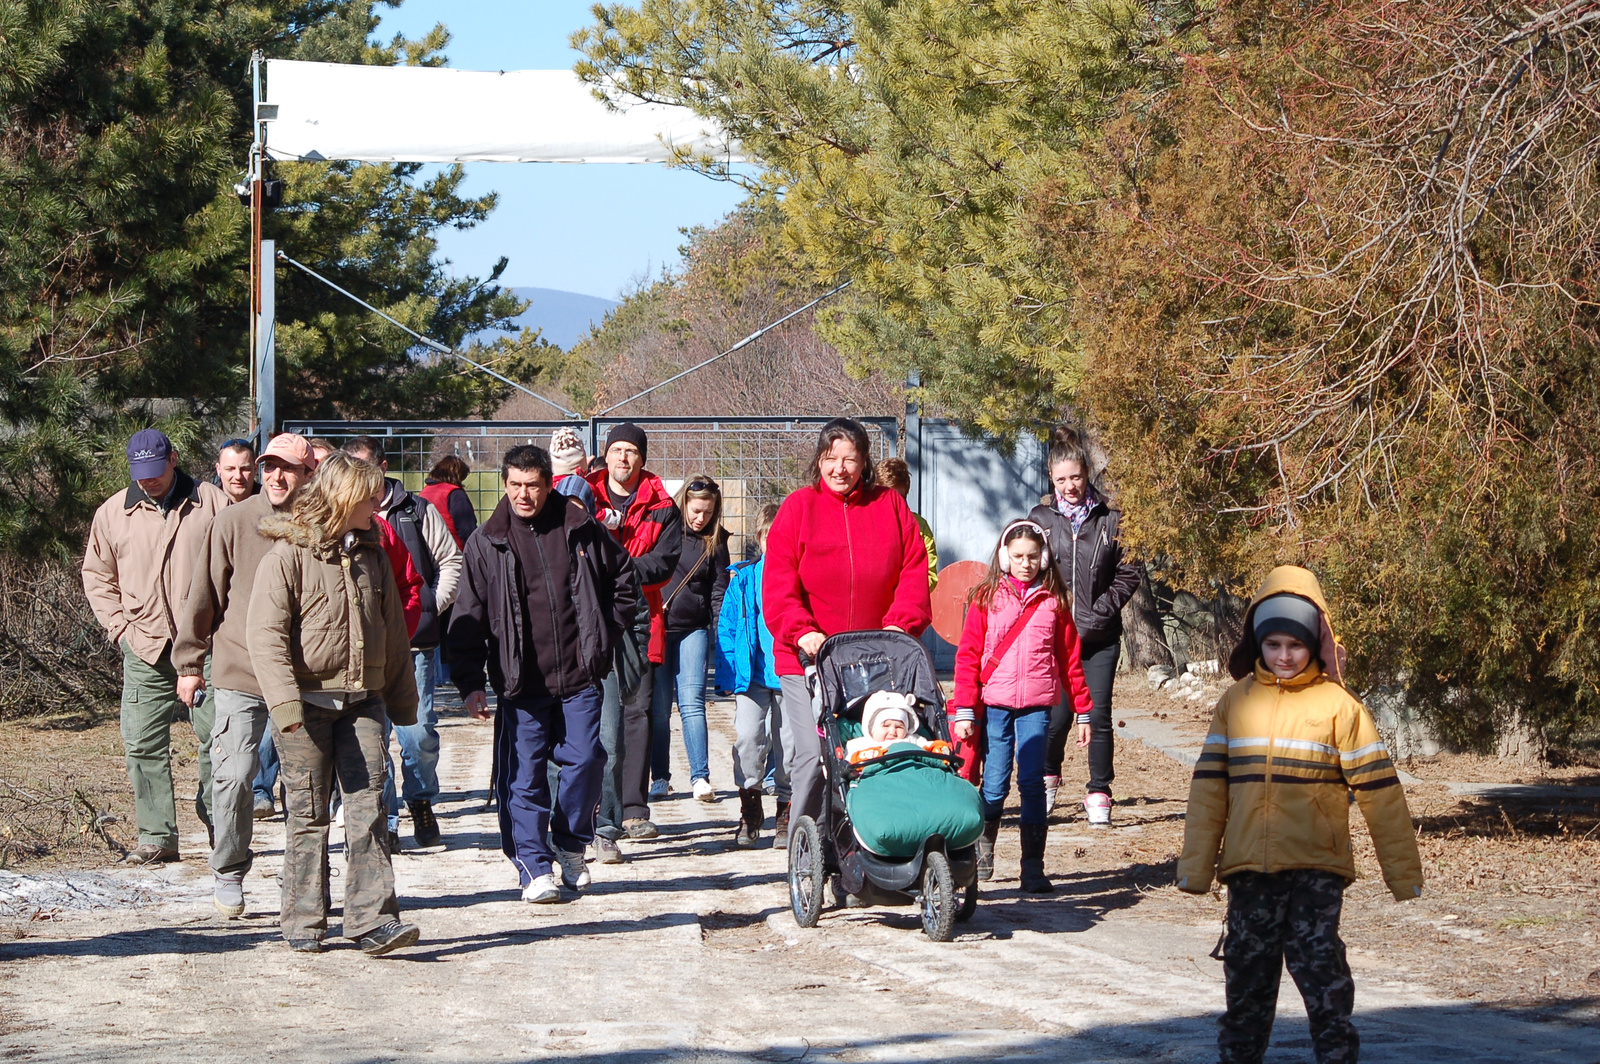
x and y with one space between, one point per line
628 432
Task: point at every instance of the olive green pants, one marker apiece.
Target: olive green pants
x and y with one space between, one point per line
149 704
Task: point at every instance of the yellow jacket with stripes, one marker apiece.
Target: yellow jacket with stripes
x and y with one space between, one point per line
1272 788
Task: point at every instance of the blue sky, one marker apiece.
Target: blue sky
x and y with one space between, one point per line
592 229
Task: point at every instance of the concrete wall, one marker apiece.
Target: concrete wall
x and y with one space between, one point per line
968 489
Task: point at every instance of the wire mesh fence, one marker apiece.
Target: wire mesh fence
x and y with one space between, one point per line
755 460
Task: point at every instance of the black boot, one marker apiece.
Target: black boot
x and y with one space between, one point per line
985 855
1034 881
750 815
424 825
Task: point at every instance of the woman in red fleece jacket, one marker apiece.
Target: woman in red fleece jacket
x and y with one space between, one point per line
843 555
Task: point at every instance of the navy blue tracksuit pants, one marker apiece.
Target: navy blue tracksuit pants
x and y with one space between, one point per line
529 735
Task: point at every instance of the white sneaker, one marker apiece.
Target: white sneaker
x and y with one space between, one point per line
574 873
703 791
542 891
1052 786
1098 806
338 816
659 790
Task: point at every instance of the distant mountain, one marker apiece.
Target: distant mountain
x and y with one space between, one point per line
563 316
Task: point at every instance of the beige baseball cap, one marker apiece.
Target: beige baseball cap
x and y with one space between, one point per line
291 448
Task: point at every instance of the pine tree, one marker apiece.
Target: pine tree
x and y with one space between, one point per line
123 250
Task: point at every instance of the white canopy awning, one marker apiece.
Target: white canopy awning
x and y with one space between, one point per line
438 115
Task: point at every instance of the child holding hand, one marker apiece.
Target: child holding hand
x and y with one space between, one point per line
1018 653
1269 815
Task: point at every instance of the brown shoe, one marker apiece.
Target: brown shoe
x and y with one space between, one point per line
149 853
780 827
640 828
606 851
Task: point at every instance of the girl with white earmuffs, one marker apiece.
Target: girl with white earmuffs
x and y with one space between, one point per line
1018 654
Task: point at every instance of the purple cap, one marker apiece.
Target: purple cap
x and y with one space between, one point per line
148 452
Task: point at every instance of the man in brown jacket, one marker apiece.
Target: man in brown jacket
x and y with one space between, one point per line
136 568
213 621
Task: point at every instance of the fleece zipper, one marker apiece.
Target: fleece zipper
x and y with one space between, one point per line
559 688
850 552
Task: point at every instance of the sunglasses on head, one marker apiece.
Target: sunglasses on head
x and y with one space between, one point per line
702 485
228 445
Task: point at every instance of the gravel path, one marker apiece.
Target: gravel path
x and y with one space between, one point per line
686 952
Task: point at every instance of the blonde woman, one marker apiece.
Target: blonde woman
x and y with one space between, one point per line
691 599
329 645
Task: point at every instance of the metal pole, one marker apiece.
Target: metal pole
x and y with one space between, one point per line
266 363
253 179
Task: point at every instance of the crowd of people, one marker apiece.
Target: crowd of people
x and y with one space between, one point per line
306 605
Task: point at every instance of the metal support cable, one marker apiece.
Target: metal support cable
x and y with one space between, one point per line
434 344
747 340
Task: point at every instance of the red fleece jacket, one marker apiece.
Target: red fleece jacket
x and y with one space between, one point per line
842 564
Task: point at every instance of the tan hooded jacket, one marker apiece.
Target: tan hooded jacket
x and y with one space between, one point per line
328 618
1272 787
138 561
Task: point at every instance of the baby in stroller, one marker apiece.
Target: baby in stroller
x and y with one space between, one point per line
889 719
898 799
897 824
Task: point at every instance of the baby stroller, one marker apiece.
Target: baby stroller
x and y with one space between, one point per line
939 877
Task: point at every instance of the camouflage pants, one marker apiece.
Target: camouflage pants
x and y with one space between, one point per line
349 744
1290 917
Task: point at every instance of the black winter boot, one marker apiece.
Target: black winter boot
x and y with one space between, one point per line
750 816
424 825
1034 881
985 855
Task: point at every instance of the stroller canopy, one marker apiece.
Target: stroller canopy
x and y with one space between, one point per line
852 665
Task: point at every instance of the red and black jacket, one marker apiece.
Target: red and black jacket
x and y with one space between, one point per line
652 534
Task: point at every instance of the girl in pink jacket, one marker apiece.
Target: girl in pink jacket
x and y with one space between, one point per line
1018 653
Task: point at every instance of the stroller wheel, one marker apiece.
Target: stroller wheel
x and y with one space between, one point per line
969 902
938 898
807 874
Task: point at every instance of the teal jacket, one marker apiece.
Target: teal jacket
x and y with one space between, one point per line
744 644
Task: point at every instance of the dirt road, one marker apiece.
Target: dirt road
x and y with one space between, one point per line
686 952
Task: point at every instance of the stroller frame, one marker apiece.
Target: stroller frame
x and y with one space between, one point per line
942 881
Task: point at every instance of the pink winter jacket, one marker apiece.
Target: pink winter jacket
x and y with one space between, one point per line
1041 663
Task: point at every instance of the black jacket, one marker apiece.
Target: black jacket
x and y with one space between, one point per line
1091 564
694 594
488 624
406 517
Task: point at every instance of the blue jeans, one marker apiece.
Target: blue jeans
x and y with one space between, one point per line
419 744
685 670
1019 733
267 776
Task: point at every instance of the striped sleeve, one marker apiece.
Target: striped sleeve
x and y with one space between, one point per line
1208 808
1366 767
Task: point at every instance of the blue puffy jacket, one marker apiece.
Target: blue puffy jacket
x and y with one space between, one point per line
744 645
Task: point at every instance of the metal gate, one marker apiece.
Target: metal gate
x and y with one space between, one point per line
756 460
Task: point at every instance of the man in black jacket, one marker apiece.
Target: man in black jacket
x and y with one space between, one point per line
545 594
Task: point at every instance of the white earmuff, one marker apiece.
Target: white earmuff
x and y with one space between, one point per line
1003 559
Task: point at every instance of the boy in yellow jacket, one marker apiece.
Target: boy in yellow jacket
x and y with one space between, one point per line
1288 745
